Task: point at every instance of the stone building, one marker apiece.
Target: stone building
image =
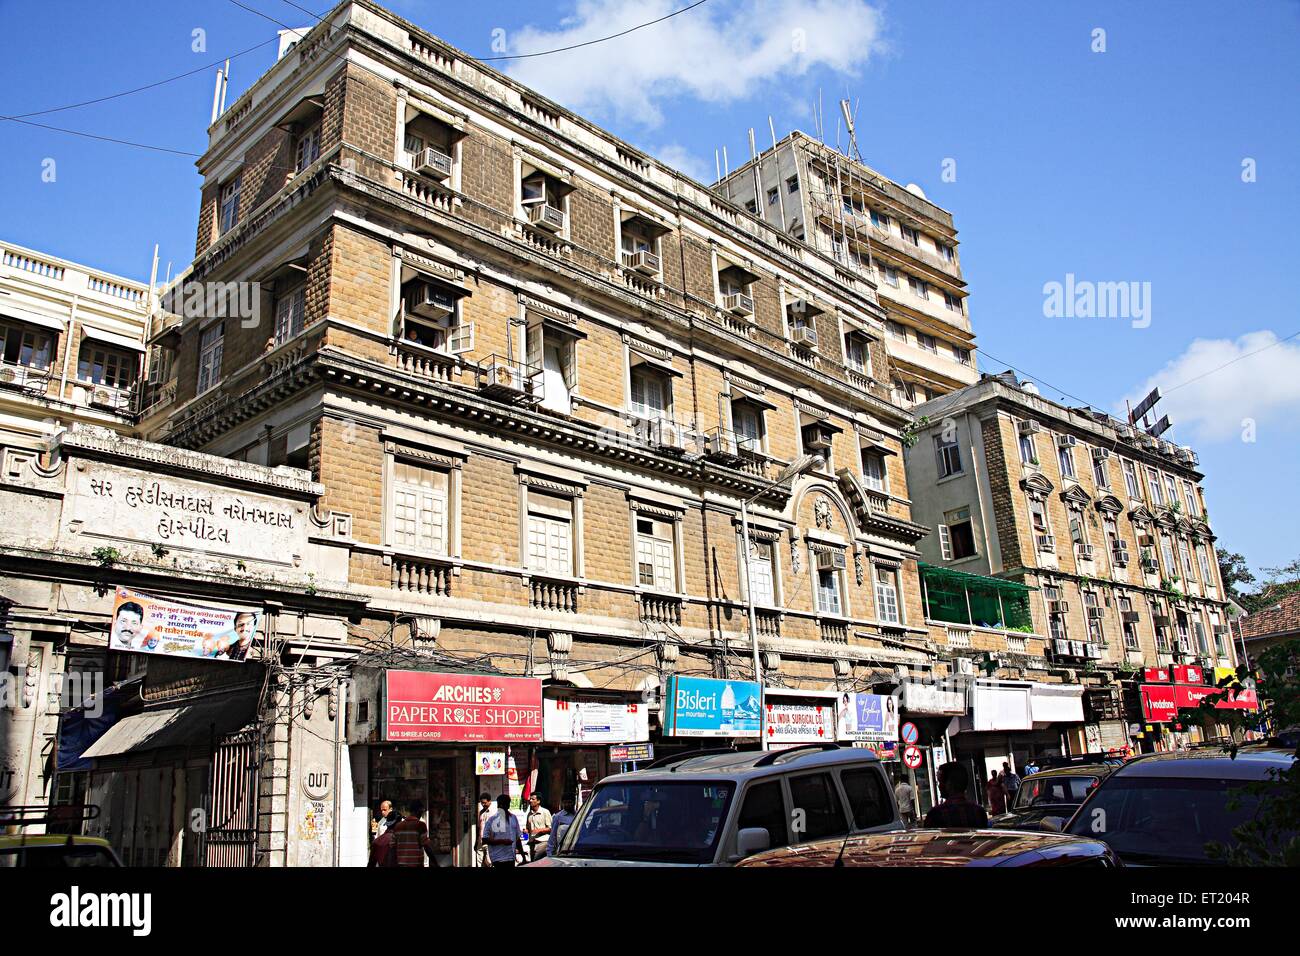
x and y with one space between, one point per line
1107 524
873 228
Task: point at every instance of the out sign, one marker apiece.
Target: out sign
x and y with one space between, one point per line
316 782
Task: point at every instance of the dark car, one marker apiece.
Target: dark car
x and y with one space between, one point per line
1057 761
1050 793
1163 809
943 848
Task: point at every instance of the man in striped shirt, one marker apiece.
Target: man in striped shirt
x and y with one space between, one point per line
411 839
957 809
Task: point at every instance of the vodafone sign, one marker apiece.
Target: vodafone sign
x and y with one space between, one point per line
419 705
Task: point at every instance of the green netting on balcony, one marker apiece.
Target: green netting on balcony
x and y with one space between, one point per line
956 597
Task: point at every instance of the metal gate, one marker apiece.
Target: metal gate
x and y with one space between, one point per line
230 839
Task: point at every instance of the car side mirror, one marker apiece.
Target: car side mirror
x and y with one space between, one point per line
752 840
1052 824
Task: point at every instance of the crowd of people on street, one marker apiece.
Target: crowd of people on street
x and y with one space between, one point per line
402 838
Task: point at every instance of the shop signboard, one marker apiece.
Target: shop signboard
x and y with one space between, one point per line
424 705
945 701
1189 674
705 707
867 717
153 625
577 721
631 753
1157 675
785 722
1158 703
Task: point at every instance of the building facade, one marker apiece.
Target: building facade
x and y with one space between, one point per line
876 229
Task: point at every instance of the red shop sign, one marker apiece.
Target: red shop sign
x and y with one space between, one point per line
419 705
1157 675
1158 703
1189 674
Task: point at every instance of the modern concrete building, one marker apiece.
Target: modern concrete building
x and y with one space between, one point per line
883 233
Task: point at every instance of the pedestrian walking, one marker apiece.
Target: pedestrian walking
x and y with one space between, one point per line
1010 783
387 817
904 797
957 809
539 827
410 837
485 811
997 795
501 834
560 822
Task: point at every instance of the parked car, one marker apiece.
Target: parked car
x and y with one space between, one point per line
1052 762
62 849
1050 793
946 848
714 808
1162 809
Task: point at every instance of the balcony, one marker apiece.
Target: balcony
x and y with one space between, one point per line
962 601
28 378
429 192
661 609
553 594
421 575
834 632
424 362
768 622
510 380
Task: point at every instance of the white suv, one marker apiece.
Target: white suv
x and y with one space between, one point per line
714 808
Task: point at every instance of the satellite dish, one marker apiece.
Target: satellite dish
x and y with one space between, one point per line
915 190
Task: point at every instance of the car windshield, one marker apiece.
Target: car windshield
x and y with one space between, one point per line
1039 791
1162 820
652 822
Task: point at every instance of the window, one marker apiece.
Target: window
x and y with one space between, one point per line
1203 559
289 309
961 355
210 344
868 800
944 250
828 589
1111 531
550 533
1131 483
306 148
816 795
926 342
1056 626
751 206
747 423
651 392
920 288
635 237
896 330
772 195
229 210
1065 455
23 346
1099 472
948 456
655 564
1028 450
1167 551
890 275
880 220
910 234
1186 551
762 575
544 198
953 302
419 508
873 470
792 184
1171 489
1189 497
431 315
1092 613
556 355
857 352
1153 482
1038 515
887 595
104 366
1129 626
764 809
957 535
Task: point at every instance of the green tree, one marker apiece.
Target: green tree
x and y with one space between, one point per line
1235 572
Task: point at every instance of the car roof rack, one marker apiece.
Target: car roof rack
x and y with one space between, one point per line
772 756
687 755
30 815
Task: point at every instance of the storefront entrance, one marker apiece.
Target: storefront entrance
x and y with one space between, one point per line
441 782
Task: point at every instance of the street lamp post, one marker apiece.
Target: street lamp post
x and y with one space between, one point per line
796 467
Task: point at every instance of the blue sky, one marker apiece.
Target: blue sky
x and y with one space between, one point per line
1117 166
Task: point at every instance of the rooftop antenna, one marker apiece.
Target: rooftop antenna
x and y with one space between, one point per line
216 98
780 193
153 279
225 82
758 181
853 136
726 166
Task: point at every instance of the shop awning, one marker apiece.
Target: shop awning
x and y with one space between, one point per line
1003 706
1056 703
189 724
35 318
966 579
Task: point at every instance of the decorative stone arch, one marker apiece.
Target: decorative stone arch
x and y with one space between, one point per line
831 492
1109 505
1037 486
1139 515
1076 498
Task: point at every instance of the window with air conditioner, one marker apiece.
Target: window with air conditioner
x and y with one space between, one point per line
887 606
1028 450
639 244
228 205
544 199
828 587
20 345
656 566
428 145
1092 613
957 535
432 315
290 307
114 368
550 533
947 456
735 288
1100 474
873 470
210 348
1065 456
1128 622
420 507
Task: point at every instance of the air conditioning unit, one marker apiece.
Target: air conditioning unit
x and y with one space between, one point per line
1085 552
964 666
1092 651
816 438
645 262
546 217
720 445
1147 540
1124 431
1028 427
1094 613
1188 457
737 303
1060 647
1046 542
1160 620
1150 565
508 380
659 432
804 335
1129 617
1066 441
831 561
1076 649
1120 556
109 398
433 162
1058 607
1220 630
1101 454
430 301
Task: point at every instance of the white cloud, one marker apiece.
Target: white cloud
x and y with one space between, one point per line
1262 385
678 157
717 53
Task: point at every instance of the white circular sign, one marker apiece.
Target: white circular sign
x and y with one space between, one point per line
317 779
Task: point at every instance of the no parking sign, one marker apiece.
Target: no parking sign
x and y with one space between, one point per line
909 733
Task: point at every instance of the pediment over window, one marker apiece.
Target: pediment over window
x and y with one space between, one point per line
1109 504
1037 485
1140 515
1167 520
1076 496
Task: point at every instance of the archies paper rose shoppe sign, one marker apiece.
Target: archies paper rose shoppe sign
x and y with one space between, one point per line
420 705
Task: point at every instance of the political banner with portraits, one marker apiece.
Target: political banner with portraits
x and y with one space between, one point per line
153 625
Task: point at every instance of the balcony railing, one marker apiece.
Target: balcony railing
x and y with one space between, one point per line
834 632
26 377
550 594
661 609
424 362
768 622
422 576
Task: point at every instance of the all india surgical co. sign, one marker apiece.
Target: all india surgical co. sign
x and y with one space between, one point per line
483 708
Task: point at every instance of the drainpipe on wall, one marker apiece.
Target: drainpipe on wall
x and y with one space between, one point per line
67 348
